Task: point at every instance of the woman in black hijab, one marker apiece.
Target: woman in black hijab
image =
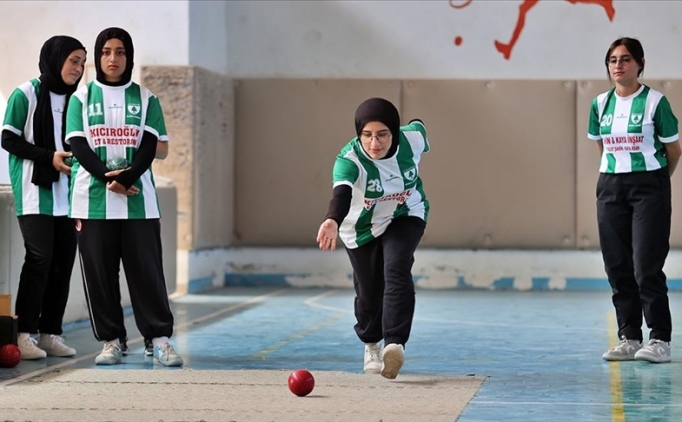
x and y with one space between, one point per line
114 127
33 134
379 209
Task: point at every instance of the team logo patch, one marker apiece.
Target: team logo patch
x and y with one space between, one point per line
78 224
410 174
636 118
134 109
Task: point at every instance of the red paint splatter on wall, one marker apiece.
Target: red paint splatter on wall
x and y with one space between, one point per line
524 8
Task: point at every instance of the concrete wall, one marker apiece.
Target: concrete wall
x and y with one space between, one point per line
456 39
199 109
510 165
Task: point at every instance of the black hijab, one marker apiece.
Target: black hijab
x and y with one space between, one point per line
379 110
126 39
54 53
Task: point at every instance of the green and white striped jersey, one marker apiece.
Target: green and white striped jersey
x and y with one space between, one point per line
30 198
633 130
113 120
382 189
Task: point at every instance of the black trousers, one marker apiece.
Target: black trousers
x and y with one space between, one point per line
50 244
103 245
382 277
634 214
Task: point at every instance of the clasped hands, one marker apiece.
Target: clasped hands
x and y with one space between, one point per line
116 187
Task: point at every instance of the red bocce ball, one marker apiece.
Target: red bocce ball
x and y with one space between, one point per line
10 356
301 382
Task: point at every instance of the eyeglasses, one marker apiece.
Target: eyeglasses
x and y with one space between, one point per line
382 136
624 60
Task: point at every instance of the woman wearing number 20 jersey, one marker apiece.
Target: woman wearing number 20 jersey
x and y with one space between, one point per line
637 138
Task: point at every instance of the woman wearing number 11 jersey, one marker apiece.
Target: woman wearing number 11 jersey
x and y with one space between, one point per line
113 126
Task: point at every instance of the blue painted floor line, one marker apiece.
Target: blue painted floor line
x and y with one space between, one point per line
540 351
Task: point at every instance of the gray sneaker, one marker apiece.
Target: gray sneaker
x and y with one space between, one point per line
656 351
624 350
166 356
372 358
110 355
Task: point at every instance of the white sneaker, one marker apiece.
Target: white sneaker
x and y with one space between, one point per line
393 357
28 347
166 355
372 358
656 351
110 355
54 345
624 350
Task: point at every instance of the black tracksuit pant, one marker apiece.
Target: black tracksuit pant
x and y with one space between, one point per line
50 244
634 217
103 244
382 277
